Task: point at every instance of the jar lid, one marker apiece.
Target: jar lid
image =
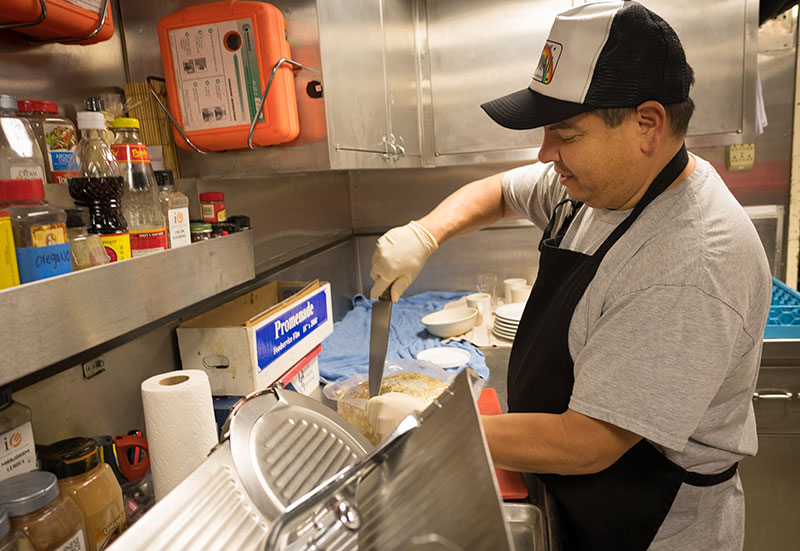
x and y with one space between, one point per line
212 196
241 221
70 457
125 122
26 492
200 227
21 190
32 105
5 524
91 120
164 177
77 217
8 102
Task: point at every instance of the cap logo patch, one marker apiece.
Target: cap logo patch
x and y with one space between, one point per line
547 62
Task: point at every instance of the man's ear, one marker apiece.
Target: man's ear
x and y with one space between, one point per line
651 118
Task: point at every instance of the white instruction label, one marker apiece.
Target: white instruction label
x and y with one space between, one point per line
179 227
17 453
91 5
217 74
76 543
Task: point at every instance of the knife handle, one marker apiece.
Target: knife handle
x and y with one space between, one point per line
387 294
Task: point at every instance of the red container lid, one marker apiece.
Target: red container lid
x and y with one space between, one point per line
32 105
21 190
212 196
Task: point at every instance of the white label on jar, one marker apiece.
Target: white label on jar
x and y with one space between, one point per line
76 543
208 212
179 227
27 172
17 452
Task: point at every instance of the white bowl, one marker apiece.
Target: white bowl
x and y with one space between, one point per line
450 322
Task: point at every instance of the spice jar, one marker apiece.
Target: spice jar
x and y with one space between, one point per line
91 483
15 429
10 539
212 206
51 521
201 231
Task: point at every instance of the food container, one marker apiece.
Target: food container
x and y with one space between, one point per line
417 378
450 321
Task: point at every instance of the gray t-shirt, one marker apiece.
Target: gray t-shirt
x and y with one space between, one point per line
666 341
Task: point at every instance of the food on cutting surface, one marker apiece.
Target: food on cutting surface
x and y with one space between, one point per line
414 384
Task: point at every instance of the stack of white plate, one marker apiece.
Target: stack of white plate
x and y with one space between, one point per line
506 320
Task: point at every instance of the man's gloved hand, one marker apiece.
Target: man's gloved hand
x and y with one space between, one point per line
387 410
400 255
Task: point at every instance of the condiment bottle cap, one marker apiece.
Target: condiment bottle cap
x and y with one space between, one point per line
70 457
21 190
27 492
125 122
32 105
212 196
91 120
164 177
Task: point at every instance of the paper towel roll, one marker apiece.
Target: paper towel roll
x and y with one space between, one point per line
179 420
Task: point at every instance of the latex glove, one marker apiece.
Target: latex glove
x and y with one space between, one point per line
385 412
399 257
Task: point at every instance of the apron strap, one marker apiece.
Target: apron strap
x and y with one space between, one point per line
697 479
664 179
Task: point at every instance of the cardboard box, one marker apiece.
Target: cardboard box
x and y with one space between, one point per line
250 342
303 377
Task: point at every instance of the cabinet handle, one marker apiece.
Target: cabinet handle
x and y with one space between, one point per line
772 394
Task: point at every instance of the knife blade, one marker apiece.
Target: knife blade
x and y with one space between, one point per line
378 340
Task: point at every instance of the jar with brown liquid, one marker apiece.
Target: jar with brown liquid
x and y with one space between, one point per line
91 484
51 521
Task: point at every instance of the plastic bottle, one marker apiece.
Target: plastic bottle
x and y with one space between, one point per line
175 207
91 484
95 181
17 450
20 157
141 206
51 521
87 249
10 539
55 135
40 230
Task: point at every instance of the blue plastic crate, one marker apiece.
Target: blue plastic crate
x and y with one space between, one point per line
784 313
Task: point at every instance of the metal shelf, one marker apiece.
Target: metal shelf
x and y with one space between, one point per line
50 320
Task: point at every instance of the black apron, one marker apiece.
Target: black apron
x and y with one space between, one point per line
623 506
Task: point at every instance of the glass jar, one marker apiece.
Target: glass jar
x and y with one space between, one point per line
10 539
212 206
51 522
55 135
15 427
87 249
91 484
201 231
40 230
20 156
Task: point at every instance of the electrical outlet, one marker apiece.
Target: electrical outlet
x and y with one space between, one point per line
93 367
740 157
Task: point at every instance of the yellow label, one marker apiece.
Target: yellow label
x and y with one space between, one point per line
118 245
9 276
49 234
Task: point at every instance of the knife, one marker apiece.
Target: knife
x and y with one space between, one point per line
378 340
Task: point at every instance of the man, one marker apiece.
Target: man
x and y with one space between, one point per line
631 375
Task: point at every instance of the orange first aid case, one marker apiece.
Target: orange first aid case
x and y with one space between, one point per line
217 61
65 19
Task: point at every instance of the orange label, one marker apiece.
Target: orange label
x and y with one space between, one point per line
130 153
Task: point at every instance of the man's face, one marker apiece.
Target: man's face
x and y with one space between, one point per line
597 164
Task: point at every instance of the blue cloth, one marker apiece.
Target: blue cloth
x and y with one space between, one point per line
346 352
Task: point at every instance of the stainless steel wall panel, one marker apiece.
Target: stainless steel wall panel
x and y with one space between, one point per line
66 74
290 214
507 253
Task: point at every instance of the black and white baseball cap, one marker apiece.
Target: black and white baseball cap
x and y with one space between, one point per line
604 54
